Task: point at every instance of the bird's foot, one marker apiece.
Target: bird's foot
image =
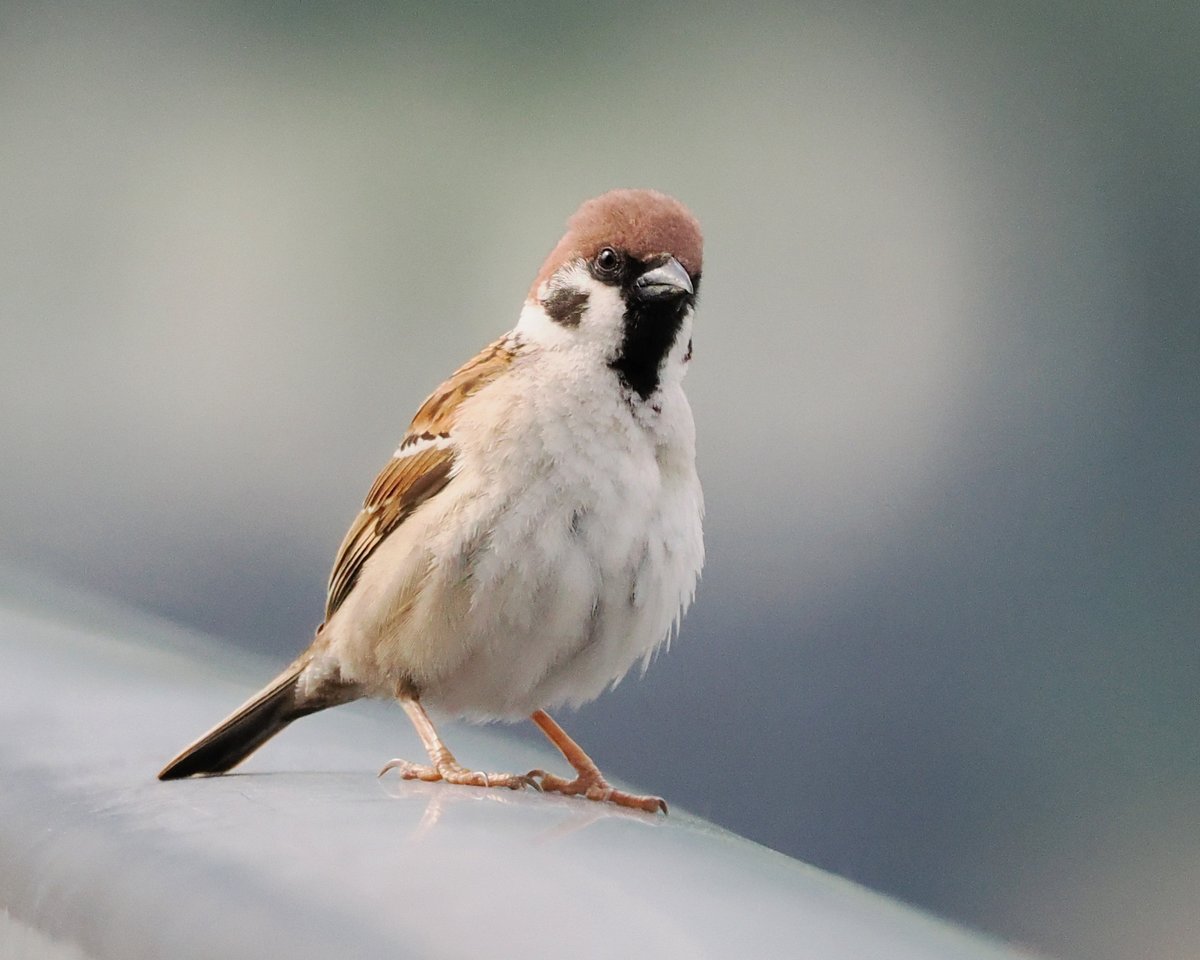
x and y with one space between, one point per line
595 787
453 772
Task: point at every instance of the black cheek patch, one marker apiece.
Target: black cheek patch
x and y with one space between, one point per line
650 331
565 306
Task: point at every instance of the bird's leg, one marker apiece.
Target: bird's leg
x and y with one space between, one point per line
589 782
442 764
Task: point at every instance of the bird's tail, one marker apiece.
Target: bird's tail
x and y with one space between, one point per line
257 721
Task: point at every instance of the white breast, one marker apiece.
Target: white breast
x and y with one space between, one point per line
563 551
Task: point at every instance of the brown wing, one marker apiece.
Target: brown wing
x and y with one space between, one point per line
438 412
412 477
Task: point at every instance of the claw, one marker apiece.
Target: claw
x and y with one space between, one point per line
530 782
393 765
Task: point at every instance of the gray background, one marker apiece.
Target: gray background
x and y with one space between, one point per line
945 382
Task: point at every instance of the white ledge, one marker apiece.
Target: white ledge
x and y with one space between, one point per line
304 853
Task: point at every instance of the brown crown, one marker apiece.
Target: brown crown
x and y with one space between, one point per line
642 223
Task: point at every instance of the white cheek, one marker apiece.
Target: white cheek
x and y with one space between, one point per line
600 328
676 363
603 321
536 326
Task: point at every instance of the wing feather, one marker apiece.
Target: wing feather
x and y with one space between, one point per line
437 414
415 473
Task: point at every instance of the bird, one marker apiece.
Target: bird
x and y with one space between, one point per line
538 530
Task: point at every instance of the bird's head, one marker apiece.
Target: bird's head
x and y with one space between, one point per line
621 285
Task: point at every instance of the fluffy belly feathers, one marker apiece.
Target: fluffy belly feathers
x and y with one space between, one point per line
542 596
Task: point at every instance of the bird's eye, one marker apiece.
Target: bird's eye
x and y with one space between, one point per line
608 262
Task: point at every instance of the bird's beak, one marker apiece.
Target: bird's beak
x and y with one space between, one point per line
663 282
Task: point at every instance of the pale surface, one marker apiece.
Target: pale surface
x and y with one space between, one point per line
306 854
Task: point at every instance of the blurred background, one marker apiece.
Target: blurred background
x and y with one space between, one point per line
945 382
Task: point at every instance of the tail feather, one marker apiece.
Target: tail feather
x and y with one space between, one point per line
254 723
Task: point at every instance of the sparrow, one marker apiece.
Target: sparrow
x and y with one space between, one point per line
538 530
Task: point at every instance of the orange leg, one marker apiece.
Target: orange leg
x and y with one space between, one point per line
589 782
442 765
